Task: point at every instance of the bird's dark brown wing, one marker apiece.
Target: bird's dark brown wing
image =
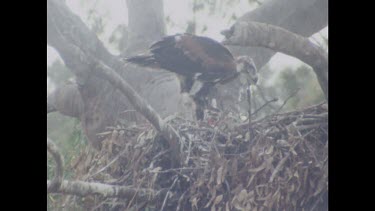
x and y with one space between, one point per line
216 62
214 49
188 55
175 58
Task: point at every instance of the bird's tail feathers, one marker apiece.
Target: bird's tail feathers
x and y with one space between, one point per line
143 60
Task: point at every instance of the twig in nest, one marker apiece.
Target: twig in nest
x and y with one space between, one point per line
109 164
282 162
324 130
99 205
278 167
264 105
308 127
287 99
180 200
82 189
178 169
317 201
188 155
213 143
135 194
248 91
166 195
263 96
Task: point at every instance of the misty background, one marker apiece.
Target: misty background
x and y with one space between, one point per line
283 77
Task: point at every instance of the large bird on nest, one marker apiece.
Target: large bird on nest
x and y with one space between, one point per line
199 62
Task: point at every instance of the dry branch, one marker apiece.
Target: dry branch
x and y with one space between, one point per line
66 99
264 105
81 188
280 40
304 17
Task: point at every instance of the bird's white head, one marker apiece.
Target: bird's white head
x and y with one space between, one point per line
246 66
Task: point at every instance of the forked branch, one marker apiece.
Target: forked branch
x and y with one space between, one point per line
278 39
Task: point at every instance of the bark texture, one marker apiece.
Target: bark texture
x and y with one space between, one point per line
80 188
101 105
281 40
302 17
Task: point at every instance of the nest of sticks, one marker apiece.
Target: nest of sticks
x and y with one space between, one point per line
279 162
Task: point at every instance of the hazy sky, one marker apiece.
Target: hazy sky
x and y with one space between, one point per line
179 11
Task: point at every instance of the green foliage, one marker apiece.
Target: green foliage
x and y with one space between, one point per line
204 11
191 28
97 23
119 37
66 132
258 2
290 81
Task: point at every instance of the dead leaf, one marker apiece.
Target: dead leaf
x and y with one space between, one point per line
242 195
269 150
218 199
194 202
212 198
219 175
260 168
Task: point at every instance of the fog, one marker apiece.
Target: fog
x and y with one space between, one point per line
180 12
123 127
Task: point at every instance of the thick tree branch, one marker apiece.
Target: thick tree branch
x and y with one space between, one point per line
59 171
141 106
281 40
88 64
63 24
93 66
101 102
80 188
304 17
67 100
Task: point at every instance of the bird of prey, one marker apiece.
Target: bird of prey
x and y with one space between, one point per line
199 62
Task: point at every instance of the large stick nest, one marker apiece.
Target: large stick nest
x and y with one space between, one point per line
280 162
